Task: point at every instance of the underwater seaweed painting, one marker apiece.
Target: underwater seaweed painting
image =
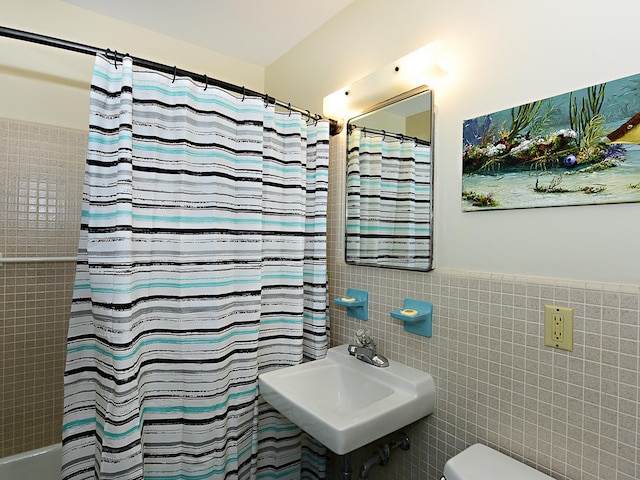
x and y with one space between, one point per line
577 148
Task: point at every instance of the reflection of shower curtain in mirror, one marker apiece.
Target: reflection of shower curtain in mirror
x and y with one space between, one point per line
388 201
201 263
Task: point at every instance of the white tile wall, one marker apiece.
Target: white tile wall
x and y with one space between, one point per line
573 415
41 175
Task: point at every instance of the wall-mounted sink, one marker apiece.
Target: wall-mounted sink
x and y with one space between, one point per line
345 403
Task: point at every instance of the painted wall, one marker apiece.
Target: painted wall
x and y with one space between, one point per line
46 85
500 54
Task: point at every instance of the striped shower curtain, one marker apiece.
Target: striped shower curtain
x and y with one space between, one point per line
388 201
202 263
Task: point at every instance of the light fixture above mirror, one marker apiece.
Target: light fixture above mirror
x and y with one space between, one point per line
421 67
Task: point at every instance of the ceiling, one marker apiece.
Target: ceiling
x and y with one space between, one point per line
254 31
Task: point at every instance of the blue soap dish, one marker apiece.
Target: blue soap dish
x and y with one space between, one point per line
416 315
357 303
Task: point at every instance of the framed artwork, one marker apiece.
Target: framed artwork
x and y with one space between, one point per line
578 148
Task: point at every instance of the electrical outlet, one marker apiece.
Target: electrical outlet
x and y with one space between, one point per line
558 327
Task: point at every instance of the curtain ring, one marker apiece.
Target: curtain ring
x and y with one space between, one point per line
384 134
115 59
308 115
266 100
206 82
289 107
243 92
317 118
175 69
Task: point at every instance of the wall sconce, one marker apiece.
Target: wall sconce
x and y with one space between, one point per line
420 67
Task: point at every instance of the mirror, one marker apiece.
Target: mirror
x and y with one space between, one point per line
389 183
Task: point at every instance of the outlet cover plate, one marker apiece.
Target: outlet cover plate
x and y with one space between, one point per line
558 327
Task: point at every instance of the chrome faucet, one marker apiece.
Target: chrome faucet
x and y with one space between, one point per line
365 349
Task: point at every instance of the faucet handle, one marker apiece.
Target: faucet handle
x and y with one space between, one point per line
363 336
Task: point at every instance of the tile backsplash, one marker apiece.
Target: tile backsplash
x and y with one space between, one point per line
572 415
42 169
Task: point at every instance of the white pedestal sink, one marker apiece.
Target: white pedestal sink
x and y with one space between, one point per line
345 403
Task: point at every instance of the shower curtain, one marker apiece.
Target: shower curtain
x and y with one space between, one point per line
201 263
388 200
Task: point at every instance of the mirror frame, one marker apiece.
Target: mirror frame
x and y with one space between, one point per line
391 101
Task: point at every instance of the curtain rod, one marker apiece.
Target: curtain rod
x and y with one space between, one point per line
334 126
384 133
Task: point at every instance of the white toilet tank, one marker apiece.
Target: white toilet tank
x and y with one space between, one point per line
479 462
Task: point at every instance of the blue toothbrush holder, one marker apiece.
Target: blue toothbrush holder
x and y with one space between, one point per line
416 315
357 303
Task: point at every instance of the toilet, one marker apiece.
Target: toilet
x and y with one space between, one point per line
479 462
